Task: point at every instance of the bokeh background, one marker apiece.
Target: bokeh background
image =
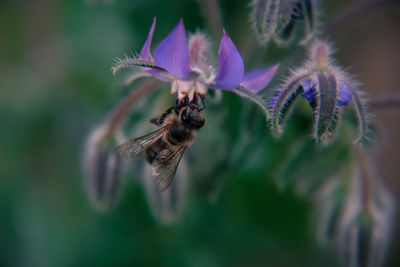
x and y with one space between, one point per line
56 85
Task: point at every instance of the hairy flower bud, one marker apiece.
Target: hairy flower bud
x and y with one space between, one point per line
355 211
278 20
103 169
327 88
166 206
364 231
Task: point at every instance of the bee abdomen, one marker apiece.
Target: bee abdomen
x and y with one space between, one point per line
151 155
153 151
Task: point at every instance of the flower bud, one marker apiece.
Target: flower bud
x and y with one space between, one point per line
365 226
166 206
103 169
282 20
363 235
327 87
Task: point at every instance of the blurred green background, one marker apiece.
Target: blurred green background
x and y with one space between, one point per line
56 85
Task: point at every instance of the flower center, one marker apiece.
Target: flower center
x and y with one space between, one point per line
188 88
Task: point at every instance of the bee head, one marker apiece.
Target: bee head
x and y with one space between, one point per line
192 117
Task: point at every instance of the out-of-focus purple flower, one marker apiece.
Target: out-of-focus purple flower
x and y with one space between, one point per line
328 89
185 65
365 226
355 211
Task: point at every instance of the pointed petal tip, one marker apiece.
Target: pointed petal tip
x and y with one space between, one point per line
257 80
180 25
145 53
230 62
276 66
172 53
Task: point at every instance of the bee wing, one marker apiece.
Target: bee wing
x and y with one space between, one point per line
135 147
164 167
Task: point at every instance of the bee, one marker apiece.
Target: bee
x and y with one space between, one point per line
164 148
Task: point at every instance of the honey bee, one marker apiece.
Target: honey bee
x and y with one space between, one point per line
164 148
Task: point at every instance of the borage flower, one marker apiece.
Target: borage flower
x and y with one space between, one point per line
184 64
327 88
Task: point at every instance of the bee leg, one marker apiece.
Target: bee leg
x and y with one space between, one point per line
197 101
159 121
155 121
202 101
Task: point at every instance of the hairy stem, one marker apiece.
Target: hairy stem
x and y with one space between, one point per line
253 97
365 179
126 105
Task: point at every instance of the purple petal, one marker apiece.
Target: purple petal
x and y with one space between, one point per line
230 64
258 79
344 95
145 55
145 52
309 90
272 101
172 53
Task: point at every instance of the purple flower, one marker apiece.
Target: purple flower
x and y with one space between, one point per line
327 87
185 65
